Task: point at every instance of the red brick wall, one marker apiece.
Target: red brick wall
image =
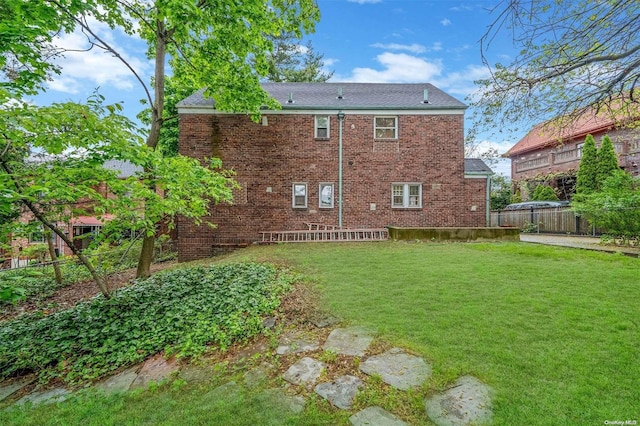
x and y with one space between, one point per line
269 159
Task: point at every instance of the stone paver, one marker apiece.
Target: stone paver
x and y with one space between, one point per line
291 403
296 343
467 403
322 320
341 391
304 372
375 416
259 374
352 341
400 370
10 387
193 374
47 397
120 382
154 369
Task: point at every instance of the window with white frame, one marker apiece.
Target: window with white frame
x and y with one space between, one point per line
406 195
322 127
385 127
299 200
37 233
326 196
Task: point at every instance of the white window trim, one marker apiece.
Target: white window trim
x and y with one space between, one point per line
315 126
405 195
395 128
325 206
293 195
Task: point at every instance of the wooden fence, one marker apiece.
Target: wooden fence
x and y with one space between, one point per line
560 220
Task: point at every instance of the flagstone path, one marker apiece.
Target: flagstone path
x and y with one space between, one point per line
468 402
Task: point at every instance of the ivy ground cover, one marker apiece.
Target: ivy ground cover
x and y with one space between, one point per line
181 311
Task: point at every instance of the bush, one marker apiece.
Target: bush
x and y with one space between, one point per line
616 207
181 311
544 193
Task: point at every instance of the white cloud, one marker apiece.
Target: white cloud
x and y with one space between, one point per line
462 82
437 46
398 68
86 67
413 48
445 22
329 62
364 1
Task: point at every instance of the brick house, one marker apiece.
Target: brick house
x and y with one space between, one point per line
549 153
351 155
81 228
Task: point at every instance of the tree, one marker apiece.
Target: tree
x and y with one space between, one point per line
77 140
222 48
587 176
607 161
48 187
500 192
616 207
289 61
575 57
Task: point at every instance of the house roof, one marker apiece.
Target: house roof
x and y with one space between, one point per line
475 166
125 168
354 96
547 134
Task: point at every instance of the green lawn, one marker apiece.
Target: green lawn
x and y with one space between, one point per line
553 331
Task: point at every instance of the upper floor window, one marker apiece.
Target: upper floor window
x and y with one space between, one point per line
321 127
326 196
299 200
406 195
386 127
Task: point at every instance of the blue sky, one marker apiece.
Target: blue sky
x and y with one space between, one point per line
395 41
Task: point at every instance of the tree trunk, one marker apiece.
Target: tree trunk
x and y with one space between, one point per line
54 256
146 257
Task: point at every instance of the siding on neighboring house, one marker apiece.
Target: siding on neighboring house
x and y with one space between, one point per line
548 151
282 150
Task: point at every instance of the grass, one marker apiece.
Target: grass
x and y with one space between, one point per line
553 331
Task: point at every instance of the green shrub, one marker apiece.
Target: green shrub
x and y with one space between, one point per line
544 193
181 311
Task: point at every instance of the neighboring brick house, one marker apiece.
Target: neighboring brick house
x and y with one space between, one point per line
549 153
402 152
80 228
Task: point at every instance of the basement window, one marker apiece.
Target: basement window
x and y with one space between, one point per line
406 195
299 200
321 127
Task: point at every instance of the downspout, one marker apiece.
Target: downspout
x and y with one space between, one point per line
488 202
340 120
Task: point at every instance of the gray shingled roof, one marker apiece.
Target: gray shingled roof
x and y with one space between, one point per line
475 166
124 168
354 96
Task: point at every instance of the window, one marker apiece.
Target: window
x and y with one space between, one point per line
37 232
300 195
322 127
386 127
406 195
326 195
